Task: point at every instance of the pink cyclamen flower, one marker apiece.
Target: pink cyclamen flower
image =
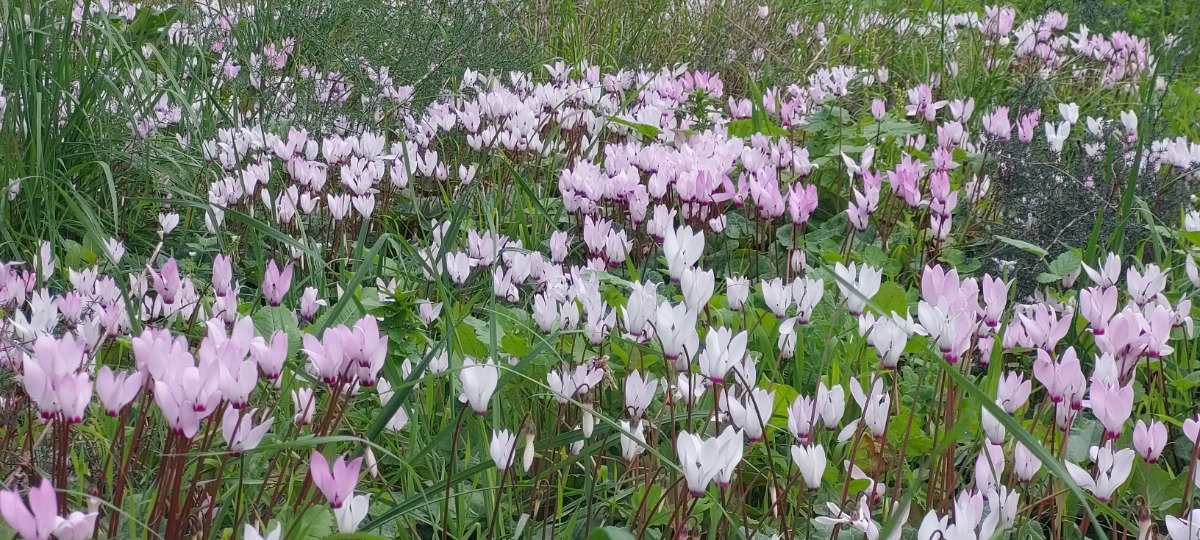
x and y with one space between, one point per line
1025 464
179 412
802 201
1149 441
1106 273
1061 379
1013 392
429 311
222 275
1191 429
310 302
337 484
304 405
995 297
1098 305
76 526
167 281
117 391
38 520
878 109
276 283
326 356
237 382
240 432
1112 405
271 355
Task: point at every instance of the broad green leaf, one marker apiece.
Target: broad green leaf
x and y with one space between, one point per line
646 130
268 320
891 298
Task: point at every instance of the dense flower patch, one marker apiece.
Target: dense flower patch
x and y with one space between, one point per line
580 297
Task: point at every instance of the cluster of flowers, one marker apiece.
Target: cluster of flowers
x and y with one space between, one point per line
654 160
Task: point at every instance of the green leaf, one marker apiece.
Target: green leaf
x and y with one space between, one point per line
646 130
515 345
918 442
891 298
269 319
1066 264
1166 492
1084 434
1023 245
745 128
468 341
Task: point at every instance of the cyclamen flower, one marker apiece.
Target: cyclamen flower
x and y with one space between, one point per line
1149 441
503 449
675 327
831 404
1107 274
751 412
1112 405
632 447
310 303
1112 469
1012 392
117 391
38 520
989 466
737 289
778 296
1061 379
703 460
52 380
479 381
639 394
458 267
875 405
802 414
239 431
802 201
304 405
276 283
1184 529
787 338
639 311
76 526
889 340
810 460
270 356
337 484
400 418
1145 286
807 293
1025 464
722 349
682 249
995 296
567 383
326 357
689 388
858 286
697 287
1098 305
351 514
429 311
